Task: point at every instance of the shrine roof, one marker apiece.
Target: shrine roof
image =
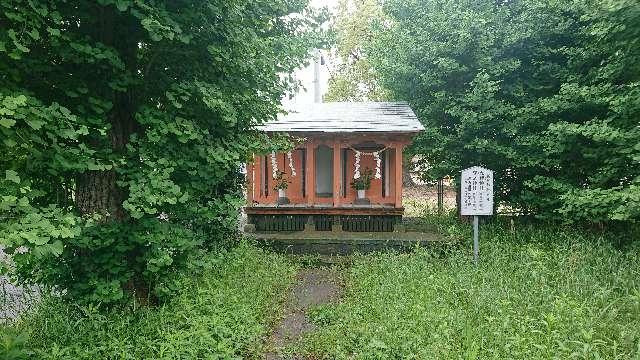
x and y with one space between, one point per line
347 117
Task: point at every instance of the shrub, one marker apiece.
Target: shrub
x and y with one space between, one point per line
223 309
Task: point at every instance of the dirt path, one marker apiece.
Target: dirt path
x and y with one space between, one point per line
314 286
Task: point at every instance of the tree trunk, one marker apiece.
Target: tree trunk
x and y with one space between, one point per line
407 169
97 192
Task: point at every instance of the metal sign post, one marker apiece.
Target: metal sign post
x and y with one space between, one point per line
476 242
476 199
440 191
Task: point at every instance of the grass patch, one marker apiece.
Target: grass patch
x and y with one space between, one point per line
538 292
224 312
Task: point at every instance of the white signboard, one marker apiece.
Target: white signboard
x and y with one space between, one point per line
477 191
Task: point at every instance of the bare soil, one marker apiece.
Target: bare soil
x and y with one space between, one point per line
314 286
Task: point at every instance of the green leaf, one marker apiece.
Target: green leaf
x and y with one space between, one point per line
35 124
21 47
35 35
34 238
56 247
83 130
11 175
123 5
53 32
6 122
23 201
9 142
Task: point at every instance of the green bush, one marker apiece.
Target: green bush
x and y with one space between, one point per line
99 264
123 128
224 308
538 292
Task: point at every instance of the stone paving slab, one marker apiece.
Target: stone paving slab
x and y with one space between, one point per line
14 299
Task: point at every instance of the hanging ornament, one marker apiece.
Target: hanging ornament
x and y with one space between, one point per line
356 172
376 156
274 165
293 171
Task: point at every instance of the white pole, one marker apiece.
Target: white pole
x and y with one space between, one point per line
476 245
316 78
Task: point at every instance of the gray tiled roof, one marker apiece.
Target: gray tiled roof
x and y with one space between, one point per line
347 117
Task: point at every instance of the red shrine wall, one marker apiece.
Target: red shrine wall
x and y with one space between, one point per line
262 182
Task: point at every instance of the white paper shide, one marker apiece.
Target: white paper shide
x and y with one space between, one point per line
477 191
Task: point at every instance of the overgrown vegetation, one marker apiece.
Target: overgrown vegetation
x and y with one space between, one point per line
223 311
123 127
539 292
544 92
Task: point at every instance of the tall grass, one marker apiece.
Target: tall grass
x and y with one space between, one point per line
223 312
539 292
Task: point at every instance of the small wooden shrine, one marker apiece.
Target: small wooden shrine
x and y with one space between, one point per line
346 175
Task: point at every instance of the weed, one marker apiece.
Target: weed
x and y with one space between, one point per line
540 291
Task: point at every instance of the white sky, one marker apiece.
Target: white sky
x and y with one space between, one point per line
305 96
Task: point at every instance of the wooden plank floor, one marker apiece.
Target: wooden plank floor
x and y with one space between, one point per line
324 209
323 206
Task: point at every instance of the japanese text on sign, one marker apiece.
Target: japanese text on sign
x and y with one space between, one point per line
477 191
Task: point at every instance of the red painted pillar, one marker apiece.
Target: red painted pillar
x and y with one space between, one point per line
311 173
257 168
250 182
336 173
